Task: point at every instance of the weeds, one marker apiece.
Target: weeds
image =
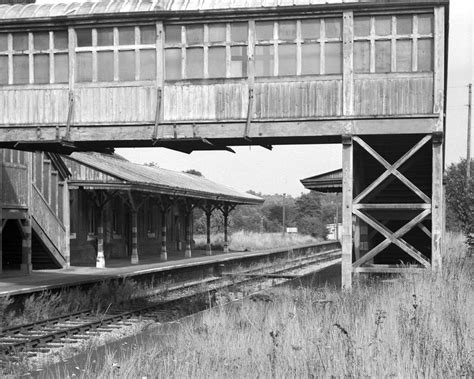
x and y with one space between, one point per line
46 304
418 326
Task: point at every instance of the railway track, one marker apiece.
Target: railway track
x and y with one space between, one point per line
29 340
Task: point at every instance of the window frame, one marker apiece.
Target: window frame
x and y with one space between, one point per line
183 46
393 37
31 52
137 47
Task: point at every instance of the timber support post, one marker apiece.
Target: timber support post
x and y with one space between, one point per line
100 199
347 181
187 232
134 258
134 207
226 209
164 212
208 233
437 201
208 208
188 212
100 259
26 265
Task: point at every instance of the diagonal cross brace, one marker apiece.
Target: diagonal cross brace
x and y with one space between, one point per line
394 238
392 169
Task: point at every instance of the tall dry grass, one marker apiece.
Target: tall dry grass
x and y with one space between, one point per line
418 326
242 240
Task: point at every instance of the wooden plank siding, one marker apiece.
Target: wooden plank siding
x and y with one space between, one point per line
114 104
222 101
14 186
298 98
393 95
37 105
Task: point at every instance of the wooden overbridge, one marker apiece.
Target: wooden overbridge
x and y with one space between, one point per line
207 75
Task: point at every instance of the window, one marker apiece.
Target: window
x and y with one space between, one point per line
206 51
298 47
393 44
46 52
116 54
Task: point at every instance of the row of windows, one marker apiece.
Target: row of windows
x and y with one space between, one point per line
220 50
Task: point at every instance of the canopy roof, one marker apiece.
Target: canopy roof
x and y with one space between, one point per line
330 181
118 173
90 8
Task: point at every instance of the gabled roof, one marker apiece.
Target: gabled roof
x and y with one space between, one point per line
330 181
117 172
91 8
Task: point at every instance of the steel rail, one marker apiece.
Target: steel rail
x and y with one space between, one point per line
13 340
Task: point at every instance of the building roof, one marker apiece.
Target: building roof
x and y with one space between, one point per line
91 8
330 181
121 173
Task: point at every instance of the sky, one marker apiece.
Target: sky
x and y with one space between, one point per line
280 170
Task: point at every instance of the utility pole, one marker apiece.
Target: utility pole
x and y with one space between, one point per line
469 127
284 214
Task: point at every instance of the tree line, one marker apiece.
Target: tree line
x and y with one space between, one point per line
309 213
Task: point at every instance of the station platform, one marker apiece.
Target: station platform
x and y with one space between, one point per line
14 283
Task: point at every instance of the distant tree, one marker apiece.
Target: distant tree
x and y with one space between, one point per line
460 198
151 164
193 172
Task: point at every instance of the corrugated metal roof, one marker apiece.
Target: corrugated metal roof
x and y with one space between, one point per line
22 11
153 176
330 181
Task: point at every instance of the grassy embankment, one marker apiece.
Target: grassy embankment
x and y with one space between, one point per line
241 240
418 326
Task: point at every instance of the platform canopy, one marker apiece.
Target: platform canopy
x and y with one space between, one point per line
114 172
330 181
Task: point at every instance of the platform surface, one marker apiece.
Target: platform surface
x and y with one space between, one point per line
15 283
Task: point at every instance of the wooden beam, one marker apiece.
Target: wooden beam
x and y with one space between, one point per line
388 270
347 183
424 229
393 206
231 132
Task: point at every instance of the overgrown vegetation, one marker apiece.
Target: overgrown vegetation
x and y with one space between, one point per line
243 241
45 305
460 197
417 326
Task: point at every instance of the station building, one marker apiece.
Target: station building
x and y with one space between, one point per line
87 208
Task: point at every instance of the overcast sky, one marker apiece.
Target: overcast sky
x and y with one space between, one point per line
280 170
